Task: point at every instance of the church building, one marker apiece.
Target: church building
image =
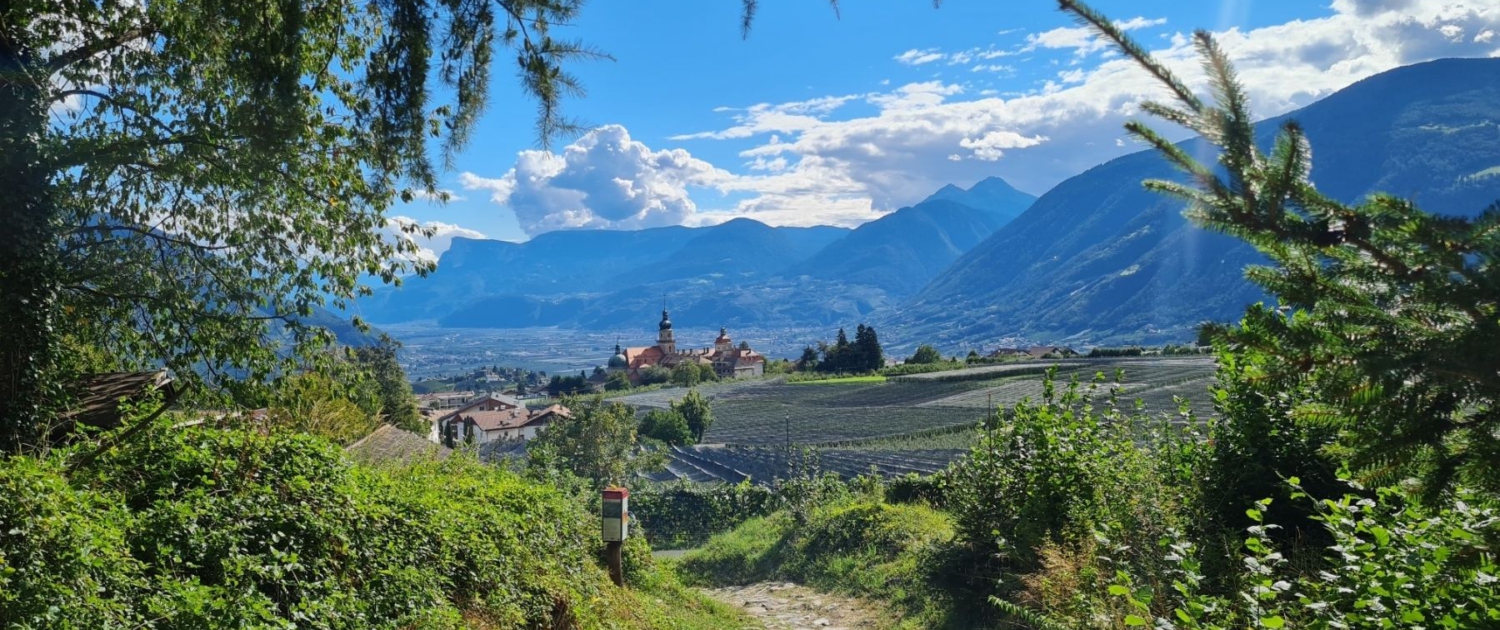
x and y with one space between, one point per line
727 359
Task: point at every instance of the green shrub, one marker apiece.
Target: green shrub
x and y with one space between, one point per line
1061 467
1389 564
914 488
64 558
212 528
684 516
667 426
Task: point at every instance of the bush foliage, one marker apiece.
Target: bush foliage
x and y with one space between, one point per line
219 528
227 528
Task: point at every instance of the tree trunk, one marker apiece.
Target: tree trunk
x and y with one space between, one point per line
28 255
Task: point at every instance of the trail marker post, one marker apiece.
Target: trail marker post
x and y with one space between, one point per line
616 517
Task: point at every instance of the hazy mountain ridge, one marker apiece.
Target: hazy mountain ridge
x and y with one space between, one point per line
738 272
900 252
1100 258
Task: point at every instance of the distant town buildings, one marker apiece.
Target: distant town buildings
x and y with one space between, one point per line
444 400
1034 352
493 417
727 359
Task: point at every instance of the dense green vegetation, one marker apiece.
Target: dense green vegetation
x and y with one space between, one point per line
842 356
226 173
1074 511
925 354
228 527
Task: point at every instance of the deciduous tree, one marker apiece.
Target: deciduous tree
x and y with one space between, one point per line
926 354
598 443
695 409
398 405
186 181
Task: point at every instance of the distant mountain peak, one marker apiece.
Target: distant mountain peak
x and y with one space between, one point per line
991 194
946 192
993 184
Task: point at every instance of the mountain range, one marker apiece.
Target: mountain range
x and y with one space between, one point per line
735 273
1097 259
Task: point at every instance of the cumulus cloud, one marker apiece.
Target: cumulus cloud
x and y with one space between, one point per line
846 159
608 180
603 180
988 147
403 228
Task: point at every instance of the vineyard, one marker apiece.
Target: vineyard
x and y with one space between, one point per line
762 464
915 423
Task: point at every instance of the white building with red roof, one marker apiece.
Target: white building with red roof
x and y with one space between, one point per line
495 417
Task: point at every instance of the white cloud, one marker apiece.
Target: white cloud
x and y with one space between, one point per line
1082 39
916 57
906 148
603 180
988 147
432 247
437 197
993 67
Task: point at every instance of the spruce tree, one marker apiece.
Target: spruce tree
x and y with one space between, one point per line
1386 327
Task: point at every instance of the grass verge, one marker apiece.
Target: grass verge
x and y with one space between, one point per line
840 380
895 554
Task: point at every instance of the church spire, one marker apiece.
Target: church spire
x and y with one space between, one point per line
664 338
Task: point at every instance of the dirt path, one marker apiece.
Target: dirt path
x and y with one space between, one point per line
787 606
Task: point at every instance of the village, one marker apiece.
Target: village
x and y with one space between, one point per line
513 406
471 417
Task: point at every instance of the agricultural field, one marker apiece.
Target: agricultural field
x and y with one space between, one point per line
733 464
915 423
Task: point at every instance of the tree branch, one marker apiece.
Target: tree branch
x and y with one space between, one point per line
60 62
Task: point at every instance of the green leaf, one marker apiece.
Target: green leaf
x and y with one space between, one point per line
1134 620
1274 621
1116 589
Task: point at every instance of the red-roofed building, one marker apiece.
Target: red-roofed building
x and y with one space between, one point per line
728 361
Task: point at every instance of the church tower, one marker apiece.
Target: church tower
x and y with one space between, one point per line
664 338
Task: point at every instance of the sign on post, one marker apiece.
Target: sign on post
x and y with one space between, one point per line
616 514
616 517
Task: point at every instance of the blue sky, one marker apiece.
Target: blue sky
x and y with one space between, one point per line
837 120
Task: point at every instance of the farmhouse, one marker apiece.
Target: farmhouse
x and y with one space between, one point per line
1050 352
727 359
492 418
1034 352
